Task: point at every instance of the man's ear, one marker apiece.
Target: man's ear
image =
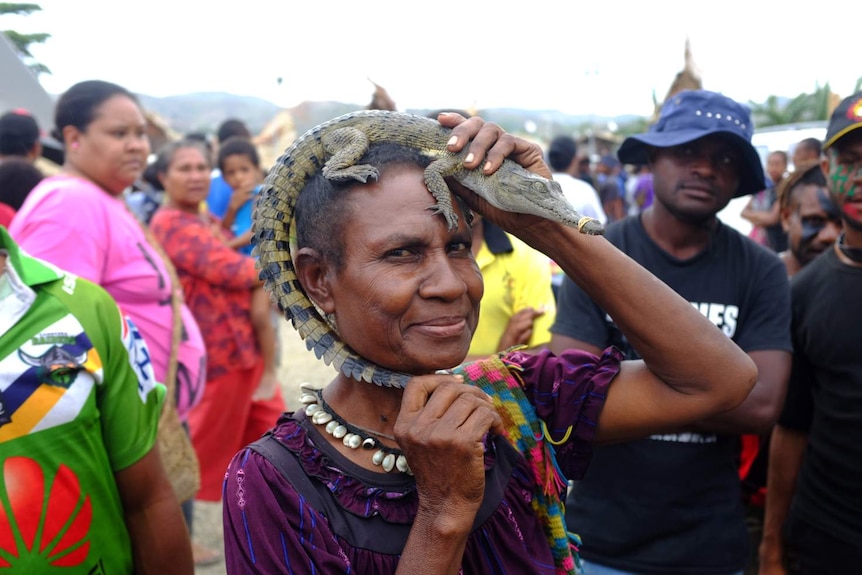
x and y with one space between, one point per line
786 214
315 275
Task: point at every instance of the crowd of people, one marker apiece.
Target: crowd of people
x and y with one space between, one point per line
675 397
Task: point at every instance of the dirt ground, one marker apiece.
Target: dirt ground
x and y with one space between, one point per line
297 365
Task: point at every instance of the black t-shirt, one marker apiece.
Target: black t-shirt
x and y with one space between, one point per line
670 504
824 397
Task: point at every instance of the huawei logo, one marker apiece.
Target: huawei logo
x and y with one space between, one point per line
42 528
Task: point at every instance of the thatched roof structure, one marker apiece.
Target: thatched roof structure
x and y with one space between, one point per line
686 79
277 135
381 100
159 131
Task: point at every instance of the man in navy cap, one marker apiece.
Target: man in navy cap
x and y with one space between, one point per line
670 504
813 522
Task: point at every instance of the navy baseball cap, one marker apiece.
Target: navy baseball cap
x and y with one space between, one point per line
691 115
846 118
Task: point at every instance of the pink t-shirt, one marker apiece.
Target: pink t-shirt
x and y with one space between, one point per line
75 225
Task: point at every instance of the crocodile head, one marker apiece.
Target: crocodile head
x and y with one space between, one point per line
528 193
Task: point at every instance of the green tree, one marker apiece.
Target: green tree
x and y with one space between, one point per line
632 127
22 42
803 108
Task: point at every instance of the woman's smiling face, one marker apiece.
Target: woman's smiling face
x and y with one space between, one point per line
407 294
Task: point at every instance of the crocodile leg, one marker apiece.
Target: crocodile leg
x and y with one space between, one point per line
345 147
434 180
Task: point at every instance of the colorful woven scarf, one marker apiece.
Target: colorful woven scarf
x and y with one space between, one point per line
499 379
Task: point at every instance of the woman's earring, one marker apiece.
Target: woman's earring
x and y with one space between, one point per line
330 319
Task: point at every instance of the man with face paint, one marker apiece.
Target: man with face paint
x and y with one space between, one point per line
812 223
813 519
808 215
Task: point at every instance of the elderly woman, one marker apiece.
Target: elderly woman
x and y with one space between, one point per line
404 293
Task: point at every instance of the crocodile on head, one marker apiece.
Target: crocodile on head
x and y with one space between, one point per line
334 148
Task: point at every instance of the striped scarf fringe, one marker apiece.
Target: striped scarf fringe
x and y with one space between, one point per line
501 379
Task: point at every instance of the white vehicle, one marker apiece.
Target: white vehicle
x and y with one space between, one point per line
785 137
766 140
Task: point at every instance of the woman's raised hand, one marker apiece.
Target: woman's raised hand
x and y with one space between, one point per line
488 146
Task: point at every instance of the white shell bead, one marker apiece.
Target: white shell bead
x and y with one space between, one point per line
307 385
388 462
307 398
330 427
369 443
310 409
339 432
352 441
320 417
378 456
401 464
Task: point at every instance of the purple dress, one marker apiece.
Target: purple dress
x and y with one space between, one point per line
270 528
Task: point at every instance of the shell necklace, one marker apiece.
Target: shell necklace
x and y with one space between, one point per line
352 436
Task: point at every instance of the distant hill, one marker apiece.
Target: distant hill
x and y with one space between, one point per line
204 111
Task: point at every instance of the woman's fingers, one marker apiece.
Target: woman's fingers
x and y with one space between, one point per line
434 407
489 145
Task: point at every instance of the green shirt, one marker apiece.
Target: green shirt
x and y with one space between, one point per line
78 402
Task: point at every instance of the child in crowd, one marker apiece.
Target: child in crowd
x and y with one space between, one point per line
239 163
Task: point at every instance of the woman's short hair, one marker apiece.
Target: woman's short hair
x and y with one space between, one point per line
78 105
168 151
322 205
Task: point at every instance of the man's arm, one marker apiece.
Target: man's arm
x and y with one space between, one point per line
261 320
748 211
160 539
786 452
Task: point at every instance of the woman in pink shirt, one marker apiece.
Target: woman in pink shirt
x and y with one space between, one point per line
79 221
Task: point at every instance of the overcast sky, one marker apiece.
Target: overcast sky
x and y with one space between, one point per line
603 57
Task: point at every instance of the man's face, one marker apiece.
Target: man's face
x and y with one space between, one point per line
803 154
775 167
694 181
811 220
845 177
